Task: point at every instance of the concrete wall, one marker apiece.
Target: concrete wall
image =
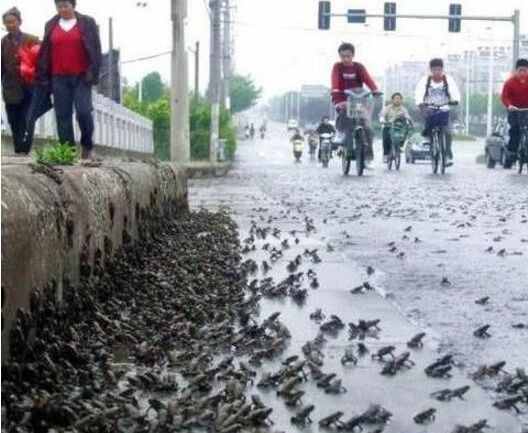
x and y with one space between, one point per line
51 232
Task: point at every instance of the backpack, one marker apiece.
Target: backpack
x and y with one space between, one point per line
446 86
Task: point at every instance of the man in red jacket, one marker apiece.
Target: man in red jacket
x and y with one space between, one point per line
515 97
350 75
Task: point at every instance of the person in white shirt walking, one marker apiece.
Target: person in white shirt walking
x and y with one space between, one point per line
440 89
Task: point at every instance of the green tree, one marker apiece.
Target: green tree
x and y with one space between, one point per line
153 87
244 93
159 113
479 104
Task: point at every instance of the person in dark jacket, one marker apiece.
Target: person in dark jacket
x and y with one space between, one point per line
16 91
68 64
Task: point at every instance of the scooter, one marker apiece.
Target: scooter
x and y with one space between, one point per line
312 142
325 148
298 147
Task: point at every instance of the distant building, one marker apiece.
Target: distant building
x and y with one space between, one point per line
473 65
404 77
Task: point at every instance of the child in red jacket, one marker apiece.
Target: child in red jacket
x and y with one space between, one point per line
515 97
350 75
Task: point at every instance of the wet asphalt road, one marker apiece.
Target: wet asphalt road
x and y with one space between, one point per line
468 228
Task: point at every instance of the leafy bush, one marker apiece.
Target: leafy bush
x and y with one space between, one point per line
57 154
159 113
200 124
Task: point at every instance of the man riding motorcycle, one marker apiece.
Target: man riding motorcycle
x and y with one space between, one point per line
514 97
349 75
325 127
440 89
395 110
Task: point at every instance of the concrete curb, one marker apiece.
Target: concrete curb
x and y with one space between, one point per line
199 169
59 226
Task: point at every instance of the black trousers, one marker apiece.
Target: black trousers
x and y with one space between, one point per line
17 116
71 91
515 131
386 140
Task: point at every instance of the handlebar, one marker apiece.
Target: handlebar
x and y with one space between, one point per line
364 94
439 107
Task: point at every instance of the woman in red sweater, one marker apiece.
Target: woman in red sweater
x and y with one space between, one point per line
515 97
69 63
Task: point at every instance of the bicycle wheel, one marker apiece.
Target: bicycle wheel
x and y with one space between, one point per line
345 163
397 159
435 157
346 157
523 154
443 156
361 141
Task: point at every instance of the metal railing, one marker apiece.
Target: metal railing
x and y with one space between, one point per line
116 127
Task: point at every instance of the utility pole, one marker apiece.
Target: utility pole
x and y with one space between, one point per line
110 58
516 36
489 122
226 98
197 70
180 147
215 77
469 56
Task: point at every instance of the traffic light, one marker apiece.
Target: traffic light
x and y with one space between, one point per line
455 10
324 15
389 22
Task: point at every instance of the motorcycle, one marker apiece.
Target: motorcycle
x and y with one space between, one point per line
325 148
298 147
312 142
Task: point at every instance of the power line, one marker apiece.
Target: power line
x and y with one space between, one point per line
140 59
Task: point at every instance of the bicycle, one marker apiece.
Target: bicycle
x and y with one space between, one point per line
522 153
355 131
399 131
438 136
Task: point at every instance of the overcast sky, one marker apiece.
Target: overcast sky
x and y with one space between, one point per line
277 40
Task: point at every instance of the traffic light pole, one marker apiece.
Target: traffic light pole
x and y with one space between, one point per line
514 19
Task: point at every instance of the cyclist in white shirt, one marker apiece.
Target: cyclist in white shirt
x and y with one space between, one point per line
440 89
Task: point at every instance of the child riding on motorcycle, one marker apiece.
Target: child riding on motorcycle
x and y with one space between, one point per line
394 112
297 136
